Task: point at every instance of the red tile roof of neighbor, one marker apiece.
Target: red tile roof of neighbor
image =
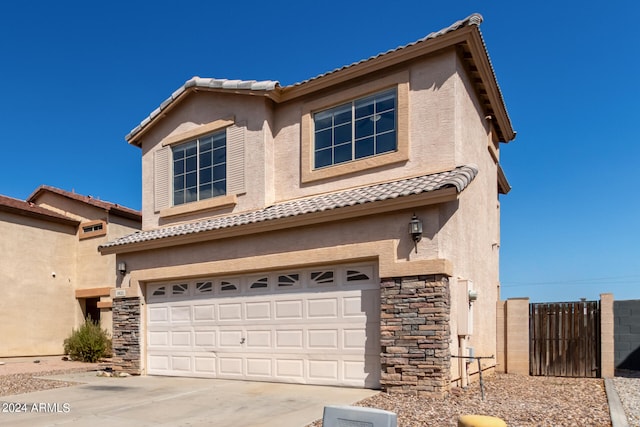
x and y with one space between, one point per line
107 206
21 207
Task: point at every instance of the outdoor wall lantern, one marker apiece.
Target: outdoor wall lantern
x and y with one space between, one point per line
122 267
415 229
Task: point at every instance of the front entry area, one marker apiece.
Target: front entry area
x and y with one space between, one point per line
308 326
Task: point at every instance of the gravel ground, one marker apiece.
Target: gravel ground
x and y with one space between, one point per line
20 375
518 400
628 387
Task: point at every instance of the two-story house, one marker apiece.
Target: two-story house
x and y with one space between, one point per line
52 276
343 230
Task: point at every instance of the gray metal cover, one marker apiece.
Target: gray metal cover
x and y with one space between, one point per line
355 416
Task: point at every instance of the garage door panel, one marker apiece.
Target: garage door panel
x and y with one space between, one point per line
256 339
205 338
258 310
230 311
180 313
322 308
204 312
259 367
205 365
231 339
159 362
354 338
297 329
322 338
181 339
230 366
290 368
323 370
181 363
291 309
159 338
290 339
158 314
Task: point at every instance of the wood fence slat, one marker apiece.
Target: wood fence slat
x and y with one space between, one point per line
564 339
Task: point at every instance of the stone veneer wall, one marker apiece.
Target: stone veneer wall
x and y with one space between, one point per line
126 335
414 335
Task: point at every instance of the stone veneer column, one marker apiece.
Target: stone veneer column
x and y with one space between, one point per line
126 335
414 335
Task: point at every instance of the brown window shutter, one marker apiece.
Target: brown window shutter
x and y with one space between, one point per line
162 179
235 158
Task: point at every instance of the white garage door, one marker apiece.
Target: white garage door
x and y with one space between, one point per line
312 326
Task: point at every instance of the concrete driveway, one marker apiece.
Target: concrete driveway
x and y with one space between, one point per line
168 401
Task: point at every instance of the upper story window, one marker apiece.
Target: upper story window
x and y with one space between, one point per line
361 128
357 128
200 169
93 229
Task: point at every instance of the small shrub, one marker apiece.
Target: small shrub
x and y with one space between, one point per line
88 343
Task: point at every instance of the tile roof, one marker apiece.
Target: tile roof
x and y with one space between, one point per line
458 178
474 19
273 87
206 83
21 207
107 206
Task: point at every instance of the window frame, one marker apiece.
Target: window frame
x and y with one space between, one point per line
169 210
199 168
346 119
399 81
94 231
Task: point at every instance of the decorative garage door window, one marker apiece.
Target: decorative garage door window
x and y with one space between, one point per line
276 282
322 278
204 287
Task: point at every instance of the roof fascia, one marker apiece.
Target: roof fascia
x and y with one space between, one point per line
439 196
40 215
108 207
503 184
482 63
376 64
135 139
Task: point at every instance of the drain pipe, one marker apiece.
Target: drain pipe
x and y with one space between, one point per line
462 362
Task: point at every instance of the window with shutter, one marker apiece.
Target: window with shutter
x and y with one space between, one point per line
200 171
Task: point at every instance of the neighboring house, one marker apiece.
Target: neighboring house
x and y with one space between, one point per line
52 276
276 244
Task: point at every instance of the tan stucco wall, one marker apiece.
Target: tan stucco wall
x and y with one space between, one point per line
607 355
273 140
199 109
37 278
517 336
38 309
446 129
470 231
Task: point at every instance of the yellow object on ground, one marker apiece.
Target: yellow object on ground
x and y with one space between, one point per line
480 421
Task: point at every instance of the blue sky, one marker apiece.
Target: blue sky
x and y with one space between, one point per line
76 77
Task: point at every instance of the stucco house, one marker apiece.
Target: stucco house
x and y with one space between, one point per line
343 230
52 276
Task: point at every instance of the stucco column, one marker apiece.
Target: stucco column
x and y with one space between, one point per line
607 355
501 365
517 336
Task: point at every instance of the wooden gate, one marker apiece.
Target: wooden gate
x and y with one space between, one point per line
564 339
